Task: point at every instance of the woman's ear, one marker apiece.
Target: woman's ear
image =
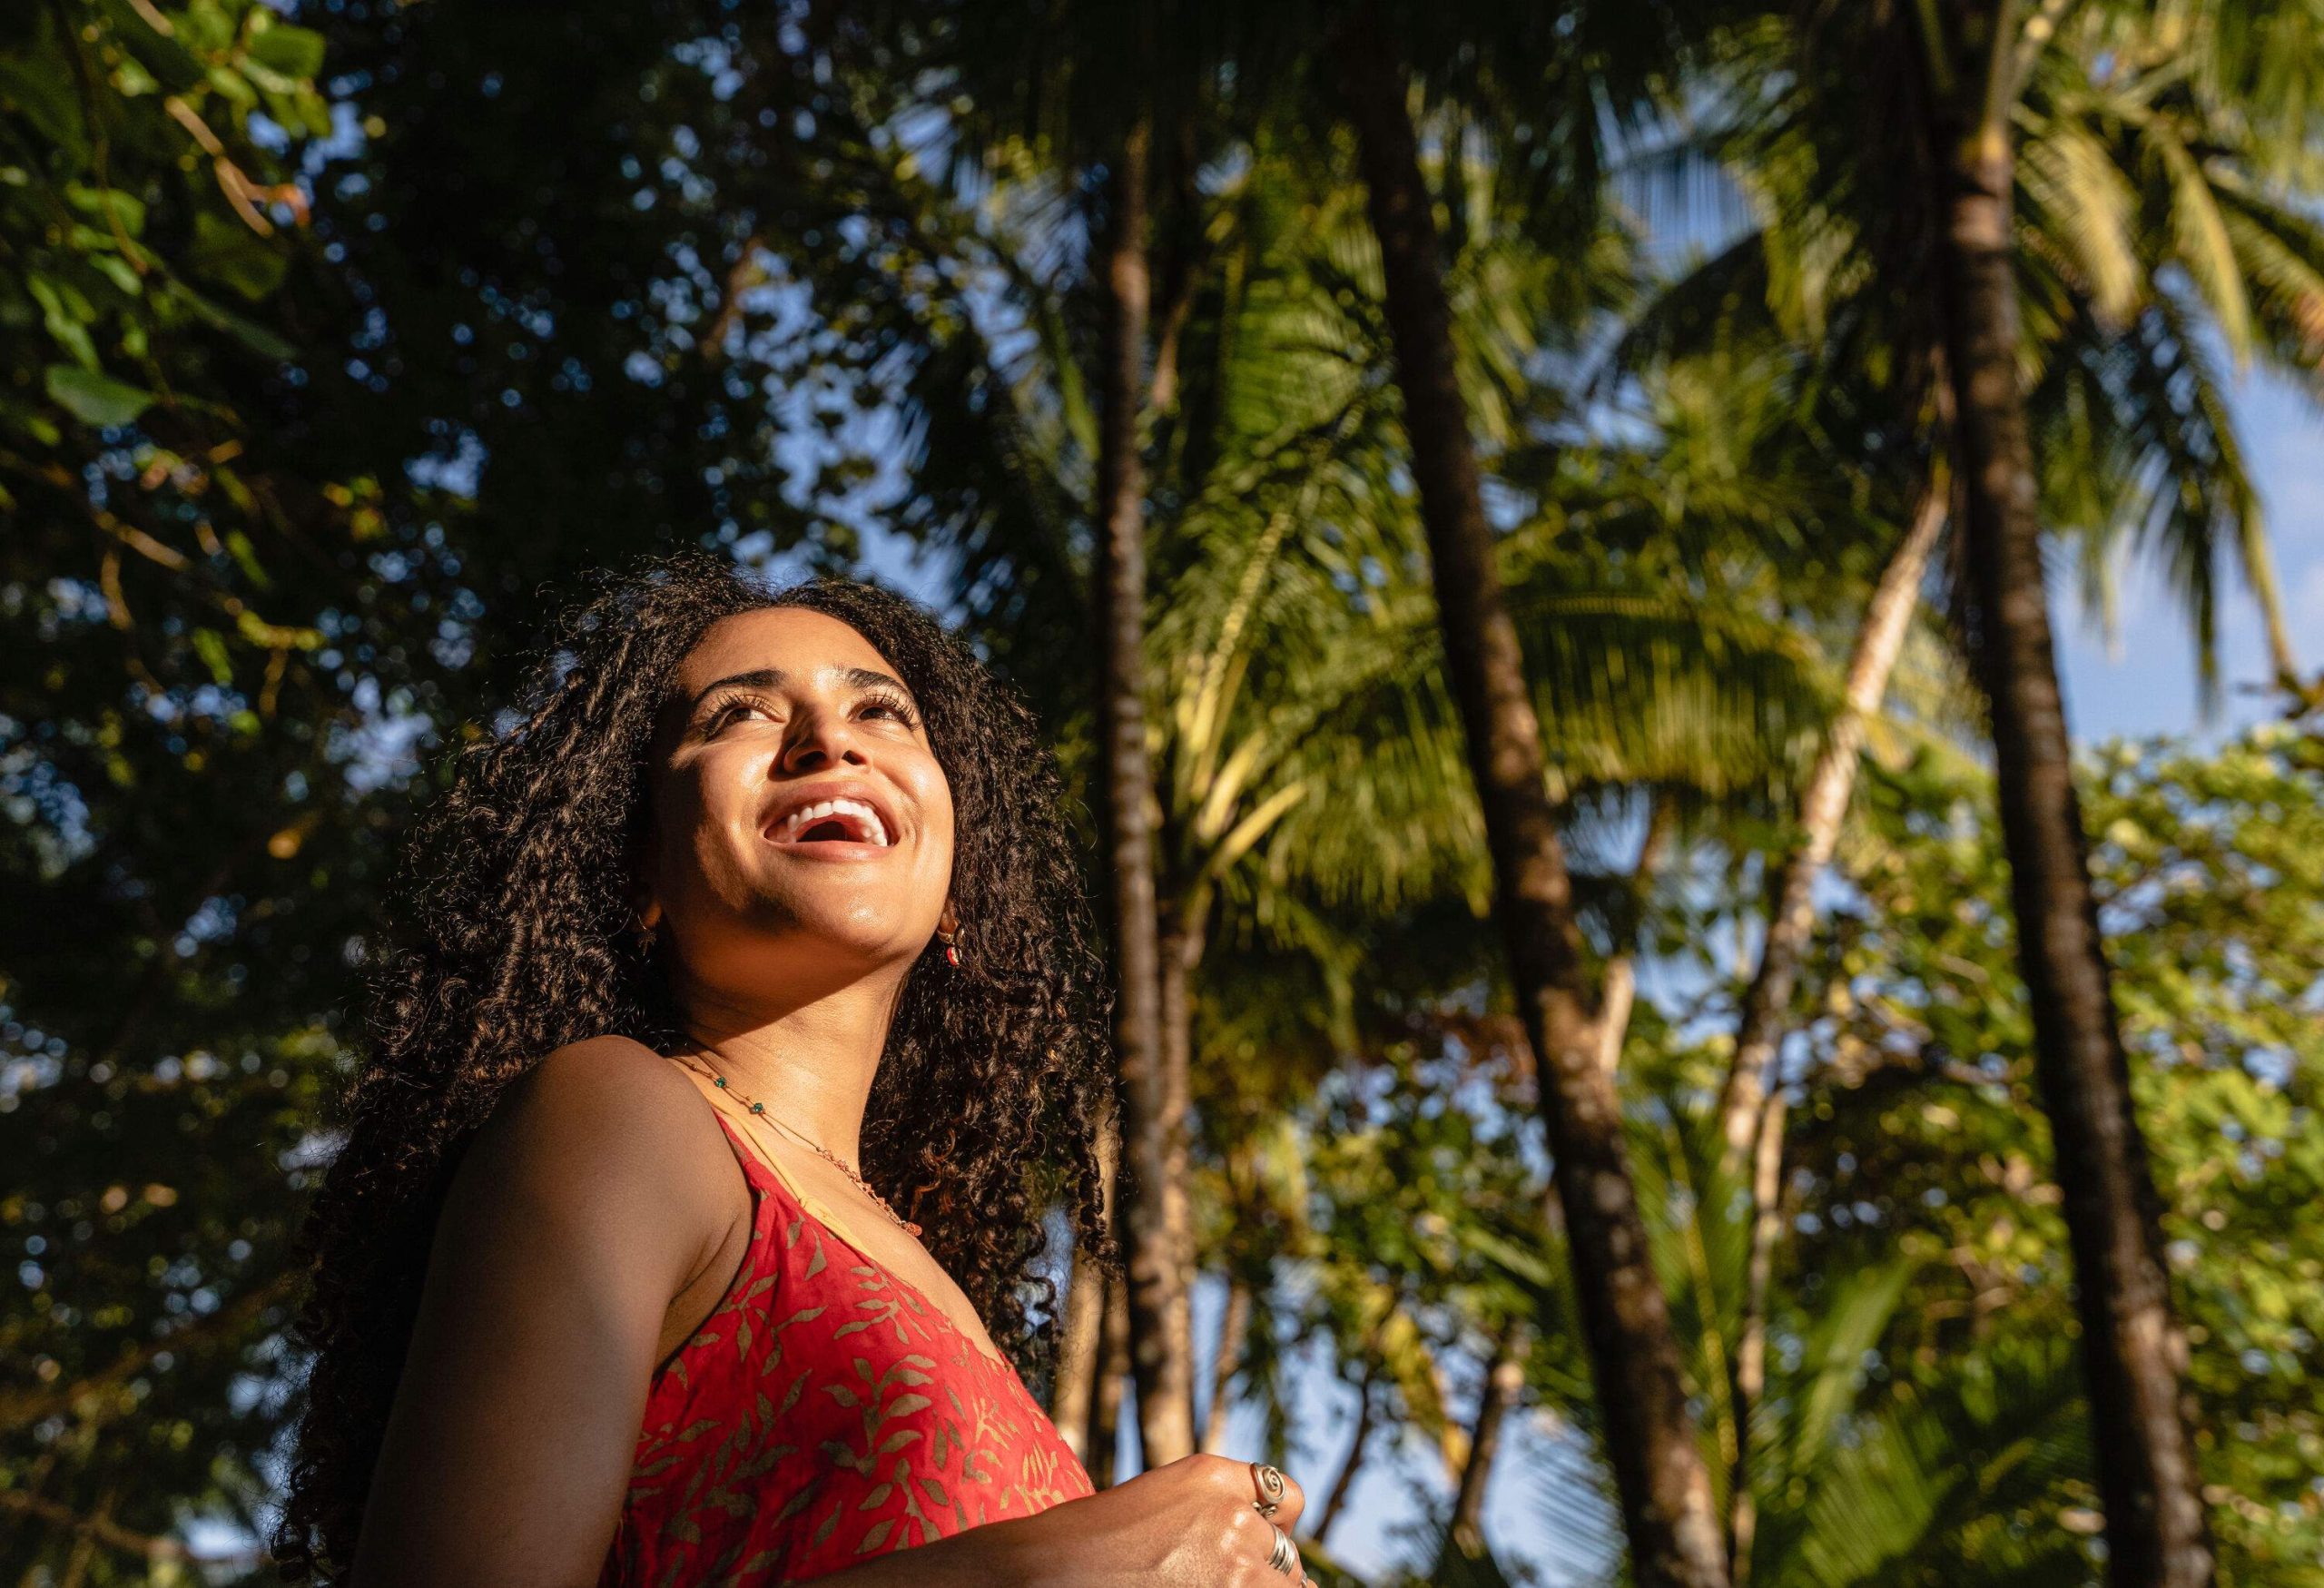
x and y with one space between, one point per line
645 854
949 923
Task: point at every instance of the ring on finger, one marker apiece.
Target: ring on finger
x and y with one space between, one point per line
1285 1556
1271 1486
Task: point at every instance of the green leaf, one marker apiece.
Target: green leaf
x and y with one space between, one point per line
210 647
234 87
44 98
95 399
229 253
295 51
68 314
97 203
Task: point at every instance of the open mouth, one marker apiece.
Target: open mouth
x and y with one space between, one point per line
836 820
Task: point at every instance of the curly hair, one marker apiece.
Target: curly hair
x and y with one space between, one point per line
510 938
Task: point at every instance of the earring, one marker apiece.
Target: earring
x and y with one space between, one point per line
646 933
951 949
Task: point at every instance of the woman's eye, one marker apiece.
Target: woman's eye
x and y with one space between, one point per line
726 713
896 709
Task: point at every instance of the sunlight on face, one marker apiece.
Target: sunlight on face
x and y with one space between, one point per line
802 830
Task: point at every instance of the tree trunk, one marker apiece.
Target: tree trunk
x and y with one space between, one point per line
1072 1397
1076 1379
1225 1365
1748 1375
2132 1352
1178 947
1345 1482
1075 1390
1618 996
1158 1295
1752 1112
1504 1381
1665 1496
1113 1372
1823 805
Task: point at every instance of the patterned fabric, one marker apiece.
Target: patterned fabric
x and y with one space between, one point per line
825 1412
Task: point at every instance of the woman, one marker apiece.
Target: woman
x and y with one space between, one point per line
684 1230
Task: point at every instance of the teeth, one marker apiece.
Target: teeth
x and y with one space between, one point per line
808 815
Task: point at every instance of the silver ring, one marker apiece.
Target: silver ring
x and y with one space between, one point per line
1270 1484
1285 1554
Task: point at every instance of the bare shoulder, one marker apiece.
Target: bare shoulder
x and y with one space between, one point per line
613 1135
595 1194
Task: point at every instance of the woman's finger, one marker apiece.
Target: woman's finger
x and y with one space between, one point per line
1273 1537
1287 1509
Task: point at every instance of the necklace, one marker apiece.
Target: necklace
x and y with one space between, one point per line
719 1080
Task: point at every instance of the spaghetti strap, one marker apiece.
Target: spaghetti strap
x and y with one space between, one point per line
750 1156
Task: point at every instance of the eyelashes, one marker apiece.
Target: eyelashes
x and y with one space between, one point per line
893 702
877 699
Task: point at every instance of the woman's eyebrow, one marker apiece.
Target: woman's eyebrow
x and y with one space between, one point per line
773 677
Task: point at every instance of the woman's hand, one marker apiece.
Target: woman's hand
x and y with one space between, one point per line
1189 1524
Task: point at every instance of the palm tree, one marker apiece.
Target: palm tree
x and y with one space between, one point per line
1665 1487
2096 185
1088 113
2141 205
2156 1527
1823 807
1285 628
1153 1079
1977 63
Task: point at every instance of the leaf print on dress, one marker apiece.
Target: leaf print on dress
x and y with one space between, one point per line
823 1412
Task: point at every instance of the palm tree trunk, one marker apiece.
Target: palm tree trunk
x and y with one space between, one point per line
1752 1114
1072 1395
1158 1292
1113 1371
1345 1483
1823 805
2133 1351
1748 1379
1665 1491
1178 947
1076 1385
1225 1363
1504 1381
1618 994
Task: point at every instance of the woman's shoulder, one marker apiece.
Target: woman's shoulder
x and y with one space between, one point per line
610 1134
609 1093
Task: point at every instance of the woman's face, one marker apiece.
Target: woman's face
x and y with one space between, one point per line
800 835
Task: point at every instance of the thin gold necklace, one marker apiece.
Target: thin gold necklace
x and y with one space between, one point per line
718 1080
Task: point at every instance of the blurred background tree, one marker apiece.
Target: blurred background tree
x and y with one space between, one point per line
341 336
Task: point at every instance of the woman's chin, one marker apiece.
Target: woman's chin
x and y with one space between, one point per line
824 939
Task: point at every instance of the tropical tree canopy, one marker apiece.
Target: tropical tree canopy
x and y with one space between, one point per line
1586 761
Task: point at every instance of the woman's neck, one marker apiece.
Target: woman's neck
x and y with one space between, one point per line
812 1064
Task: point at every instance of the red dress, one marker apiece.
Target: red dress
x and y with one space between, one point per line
826 1411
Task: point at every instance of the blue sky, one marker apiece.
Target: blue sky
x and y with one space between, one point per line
2148 685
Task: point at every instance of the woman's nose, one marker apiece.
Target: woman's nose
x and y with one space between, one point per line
820 738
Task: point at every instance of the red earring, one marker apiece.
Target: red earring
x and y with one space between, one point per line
951 950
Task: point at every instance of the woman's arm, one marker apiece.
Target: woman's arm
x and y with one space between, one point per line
597 1190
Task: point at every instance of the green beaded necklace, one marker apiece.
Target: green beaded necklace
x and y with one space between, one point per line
719 1080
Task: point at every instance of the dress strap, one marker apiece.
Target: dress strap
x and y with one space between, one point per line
738 1137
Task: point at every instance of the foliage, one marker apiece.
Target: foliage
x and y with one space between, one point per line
1920 1138
336 343
204 694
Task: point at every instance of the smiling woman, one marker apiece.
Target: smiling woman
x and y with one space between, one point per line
686 1222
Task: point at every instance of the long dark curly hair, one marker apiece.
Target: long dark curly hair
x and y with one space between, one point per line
511 937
